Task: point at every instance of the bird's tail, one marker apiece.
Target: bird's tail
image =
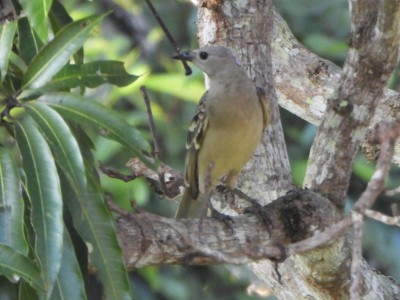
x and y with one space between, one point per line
191 207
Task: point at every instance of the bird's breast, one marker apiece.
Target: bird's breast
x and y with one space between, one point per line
234 108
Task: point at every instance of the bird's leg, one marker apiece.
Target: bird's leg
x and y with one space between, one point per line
228 194
227 220
245 197
255 207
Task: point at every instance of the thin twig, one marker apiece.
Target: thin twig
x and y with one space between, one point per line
114 207
356 255
165 191
115 174
386 135
393 192
188 70
165 180
151 121
320 238
395 209
245 197
382 217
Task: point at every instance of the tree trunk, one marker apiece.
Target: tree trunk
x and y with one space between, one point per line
247 28
277 232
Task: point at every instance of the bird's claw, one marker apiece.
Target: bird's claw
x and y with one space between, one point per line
227 220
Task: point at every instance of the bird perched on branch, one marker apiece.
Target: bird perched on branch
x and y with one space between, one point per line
225 129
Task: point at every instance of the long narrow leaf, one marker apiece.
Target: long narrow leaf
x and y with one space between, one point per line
7 32
28 42
85 202
69 276
11 202
44 192
58 52
62 142
59 18
14 264
90 75
37 11
95 224
86 112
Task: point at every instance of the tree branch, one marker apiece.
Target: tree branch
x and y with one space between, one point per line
375 215
245 27
304 82
371 59
385 134
148 239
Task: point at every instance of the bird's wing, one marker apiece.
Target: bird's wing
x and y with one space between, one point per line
194 140
265 106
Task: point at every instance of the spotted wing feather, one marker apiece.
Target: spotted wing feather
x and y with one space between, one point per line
194 140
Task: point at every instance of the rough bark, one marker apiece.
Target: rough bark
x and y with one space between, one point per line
245 27
150 239
372 57
305 82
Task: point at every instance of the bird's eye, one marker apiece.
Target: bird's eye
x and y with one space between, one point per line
203 55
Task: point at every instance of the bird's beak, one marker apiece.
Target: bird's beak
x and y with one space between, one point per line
184 55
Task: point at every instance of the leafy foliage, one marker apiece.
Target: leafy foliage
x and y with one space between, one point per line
50 194
71 112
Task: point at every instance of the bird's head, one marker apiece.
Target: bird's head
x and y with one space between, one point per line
210 59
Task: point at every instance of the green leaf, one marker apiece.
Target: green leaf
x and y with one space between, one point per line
90 75
14 264
7 32
12 205
58 52
28 42
95 224
43 189
37 11
87 112
85 202
69 283
16 70
17 66
62 142
59 18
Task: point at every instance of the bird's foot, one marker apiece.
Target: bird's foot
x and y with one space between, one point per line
227 220
245 197
257 208
229 195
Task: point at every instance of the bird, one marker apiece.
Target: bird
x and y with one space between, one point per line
225 130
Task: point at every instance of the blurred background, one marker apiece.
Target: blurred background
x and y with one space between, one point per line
132 35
